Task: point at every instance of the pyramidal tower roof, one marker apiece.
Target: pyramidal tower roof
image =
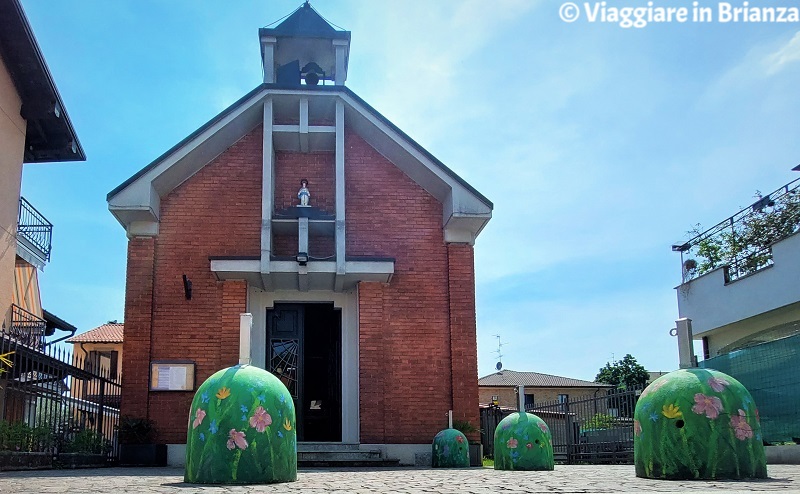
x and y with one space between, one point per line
305 22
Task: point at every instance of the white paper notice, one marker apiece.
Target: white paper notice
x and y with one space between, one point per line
177 377
163 377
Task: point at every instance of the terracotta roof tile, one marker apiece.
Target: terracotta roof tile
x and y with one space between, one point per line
107 333
535 379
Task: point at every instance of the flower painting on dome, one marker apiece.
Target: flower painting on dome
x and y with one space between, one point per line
231 438
697 424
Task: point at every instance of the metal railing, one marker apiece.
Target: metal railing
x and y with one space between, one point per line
593 429
742 244
26 328
34 227
58 405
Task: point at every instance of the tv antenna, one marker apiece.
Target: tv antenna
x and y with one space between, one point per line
499 352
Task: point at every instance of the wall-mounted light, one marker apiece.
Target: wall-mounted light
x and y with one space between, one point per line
302 258
187 287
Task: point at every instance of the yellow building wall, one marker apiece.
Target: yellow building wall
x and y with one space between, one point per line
12 146
507 396
82 388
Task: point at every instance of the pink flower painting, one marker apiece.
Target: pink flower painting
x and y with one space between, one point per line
460 439
199 415
512 443
544 428
260 419
637 428
740 426
236 440
717 383
710 406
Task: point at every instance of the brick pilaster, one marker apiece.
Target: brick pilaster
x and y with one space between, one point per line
372 362
138 326
463 336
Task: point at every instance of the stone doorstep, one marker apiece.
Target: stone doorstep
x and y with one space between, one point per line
308 447
340 455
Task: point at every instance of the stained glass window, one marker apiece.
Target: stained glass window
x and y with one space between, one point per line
283 363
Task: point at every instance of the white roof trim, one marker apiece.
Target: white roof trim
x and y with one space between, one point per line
464 213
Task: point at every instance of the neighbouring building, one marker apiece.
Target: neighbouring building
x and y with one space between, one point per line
740 296
500 388
740 278
34 128
98 351
362 301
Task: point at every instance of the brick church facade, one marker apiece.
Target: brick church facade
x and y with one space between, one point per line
362 302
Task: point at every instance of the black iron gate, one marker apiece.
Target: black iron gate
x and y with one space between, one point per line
590 429
63 406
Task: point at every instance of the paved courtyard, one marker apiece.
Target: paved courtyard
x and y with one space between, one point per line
613 478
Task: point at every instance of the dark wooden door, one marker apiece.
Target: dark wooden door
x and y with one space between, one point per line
285 352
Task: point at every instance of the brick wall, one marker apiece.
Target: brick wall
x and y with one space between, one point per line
217 212
320 171
405 372
318 245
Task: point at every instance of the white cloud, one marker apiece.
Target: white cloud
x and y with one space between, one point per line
786 55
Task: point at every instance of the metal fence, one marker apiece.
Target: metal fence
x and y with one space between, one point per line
771 372
742 244
56 403
593 429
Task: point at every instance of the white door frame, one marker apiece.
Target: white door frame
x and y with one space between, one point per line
258 301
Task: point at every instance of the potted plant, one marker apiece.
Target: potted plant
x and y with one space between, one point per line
137 446
475 447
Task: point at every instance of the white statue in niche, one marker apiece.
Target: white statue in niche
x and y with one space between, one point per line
303 194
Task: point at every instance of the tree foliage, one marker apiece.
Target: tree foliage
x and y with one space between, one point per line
744 246
624 374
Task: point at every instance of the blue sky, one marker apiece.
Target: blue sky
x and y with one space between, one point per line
600 146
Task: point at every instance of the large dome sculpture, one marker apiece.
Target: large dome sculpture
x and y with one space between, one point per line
697 424
241 430
522 441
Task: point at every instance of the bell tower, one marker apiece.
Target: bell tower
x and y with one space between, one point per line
304 49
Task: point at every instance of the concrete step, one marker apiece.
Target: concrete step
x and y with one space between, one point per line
307 447
340 455
337 455
370 463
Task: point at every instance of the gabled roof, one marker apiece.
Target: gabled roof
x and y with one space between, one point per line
107 333
536 379
138 198
49 135
304 22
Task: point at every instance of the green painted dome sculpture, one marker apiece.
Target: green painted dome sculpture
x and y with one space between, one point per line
522 441
241 430
697 424
450 449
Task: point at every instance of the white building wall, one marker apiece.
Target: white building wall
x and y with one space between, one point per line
710 303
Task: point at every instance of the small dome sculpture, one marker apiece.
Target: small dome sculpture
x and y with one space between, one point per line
697 424
241 430
522 441
450 449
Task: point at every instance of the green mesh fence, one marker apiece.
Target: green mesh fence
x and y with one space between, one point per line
771 372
